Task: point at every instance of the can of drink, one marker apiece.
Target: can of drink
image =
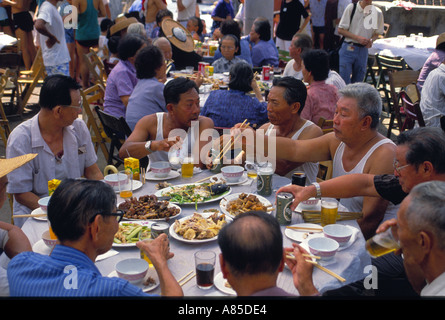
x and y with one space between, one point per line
209 71
264 181
266 73
202 67
299 178
284 212
158 228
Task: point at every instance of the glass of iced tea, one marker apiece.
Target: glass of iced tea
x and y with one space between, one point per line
329 211
145 236
205 268
382 243
126 186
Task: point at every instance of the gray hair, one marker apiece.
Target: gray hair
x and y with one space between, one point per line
426 211
368 100
137 27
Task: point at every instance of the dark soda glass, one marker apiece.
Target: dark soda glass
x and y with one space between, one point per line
204 275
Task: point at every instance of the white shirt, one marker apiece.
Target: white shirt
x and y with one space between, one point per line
341 7
58 54
289 71
189 11
435 288
364 24
432 102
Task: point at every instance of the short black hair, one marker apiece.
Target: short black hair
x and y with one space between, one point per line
162 14
75 202
130 44
295 90
317 62
252 243
230 27
55 91
148 60
241 76
174 88
105 24
262 27
113 43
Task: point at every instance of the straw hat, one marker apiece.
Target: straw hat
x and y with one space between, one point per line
179 36
8 165
121 23
440 39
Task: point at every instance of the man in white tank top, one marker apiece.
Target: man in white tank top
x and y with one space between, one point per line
284 117
151 133
355 133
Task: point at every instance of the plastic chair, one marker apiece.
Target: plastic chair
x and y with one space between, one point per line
412 112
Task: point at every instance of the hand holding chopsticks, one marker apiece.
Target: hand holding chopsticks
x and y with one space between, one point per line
231 143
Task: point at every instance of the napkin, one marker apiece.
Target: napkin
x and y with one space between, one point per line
106 255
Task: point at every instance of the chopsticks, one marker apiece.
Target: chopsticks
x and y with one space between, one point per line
292 257
308 229
202 180
183 280
318 265
314 216
29 215
229 144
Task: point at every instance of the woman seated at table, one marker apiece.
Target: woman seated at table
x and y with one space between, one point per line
229 107
230 49
122 78
147 96
263 51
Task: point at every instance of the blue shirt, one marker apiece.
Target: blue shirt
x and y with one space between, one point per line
263 54
222 10
229 107
146 98
245 52
318 7
67 272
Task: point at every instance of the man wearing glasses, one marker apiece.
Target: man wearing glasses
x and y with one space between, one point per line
61 140
418 158
84 218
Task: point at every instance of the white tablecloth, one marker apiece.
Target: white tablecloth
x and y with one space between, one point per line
349 263
414 52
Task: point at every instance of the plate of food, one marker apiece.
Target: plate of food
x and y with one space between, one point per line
148 207
195 193
303 231
223 285
237 203
199 227
149 283
129 232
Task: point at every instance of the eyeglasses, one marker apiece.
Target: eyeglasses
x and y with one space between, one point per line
79 107
398 168
118 214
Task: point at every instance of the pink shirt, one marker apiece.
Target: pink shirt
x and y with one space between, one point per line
320 102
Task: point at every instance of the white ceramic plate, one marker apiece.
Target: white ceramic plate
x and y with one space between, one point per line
235 196
165 191
241 180
220 284
132 244
178 237
150 273
303 235
171 175
157 219
39 211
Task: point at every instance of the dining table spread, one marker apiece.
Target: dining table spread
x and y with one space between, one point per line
350 261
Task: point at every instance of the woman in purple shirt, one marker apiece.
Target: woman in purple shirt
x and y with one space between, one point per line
263 52
122 78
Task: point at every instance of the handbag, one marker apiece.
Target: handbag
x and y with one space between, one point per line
334 56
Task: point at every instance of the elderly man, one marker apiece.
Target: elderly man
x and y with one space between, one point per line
355 146
432 103
61 139
83 216
300 43
286 101
155 134
419 158
252 254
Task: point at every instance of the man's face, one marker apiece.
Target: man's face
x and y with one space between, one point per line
409 175
278 110
254 37
187 109
347 120
294 52
71 112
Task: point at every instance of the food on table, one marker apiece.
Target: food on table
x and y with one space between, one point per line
199 227
244 203
194 193
129 233
148 207
162 185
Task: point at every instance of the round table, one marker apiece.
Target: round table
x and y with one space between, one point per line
350 263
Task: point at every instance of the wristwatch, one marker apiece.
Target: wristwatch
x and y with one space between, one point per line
147 146
318 189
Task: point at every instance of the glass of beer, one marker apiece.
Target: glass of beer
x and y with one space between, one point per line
125 184
205 268
382 243
329 211
145 236
187 167
252 175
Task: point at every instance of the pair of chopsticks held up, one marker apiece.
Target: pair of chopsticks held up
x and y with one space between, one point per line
229 145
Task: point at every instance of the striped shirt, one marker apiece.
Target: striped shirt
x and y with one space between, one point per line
66 273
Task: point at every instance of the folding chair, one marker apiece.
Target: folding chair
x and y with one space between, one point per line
398 80
5 130
29 79
117 130
411 110
93 96
326 125
96 68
